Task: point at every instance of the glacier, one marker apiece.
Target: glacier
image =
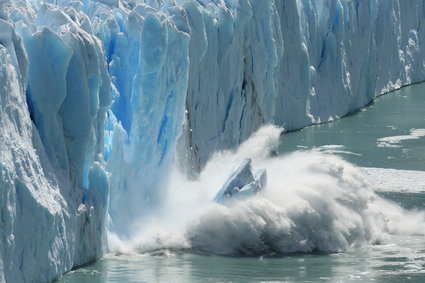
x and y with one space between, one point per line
99 100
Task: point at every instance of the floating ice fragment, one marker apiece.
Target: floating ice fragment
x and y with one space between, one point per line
394 141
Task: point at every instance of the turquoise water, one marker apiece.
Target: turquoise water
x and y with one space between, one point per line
400 261
386 139
389 133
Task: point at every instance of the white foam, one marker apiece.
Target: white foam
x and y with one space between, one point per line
394 141
313 201
334 149
396 180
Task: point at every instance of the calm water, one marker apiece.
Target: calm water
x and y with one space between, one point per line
389 133
388 140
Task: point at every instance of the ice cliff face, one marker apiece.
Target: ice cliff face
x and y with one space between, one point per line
295 63
105 94
53 189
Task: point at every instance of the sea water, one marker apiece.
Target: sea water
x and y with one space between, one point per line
385 139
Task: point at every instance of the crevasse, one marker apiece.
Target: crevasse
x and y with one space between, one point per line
99 99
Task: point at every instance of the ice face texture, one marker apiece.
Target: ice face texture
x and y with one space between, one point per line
98 98
54 190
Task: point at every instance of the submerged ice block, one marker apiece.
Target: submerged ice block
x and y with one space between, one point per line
243 182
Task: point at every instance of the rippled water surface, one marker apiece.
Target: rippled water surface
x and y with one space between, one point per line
387 139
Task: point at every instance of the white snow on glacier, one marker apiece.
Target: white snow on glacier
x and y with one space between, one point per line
100 98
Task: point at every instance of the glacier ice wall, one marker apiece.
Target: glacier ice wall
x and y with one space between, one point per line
53 188
99 94
295 63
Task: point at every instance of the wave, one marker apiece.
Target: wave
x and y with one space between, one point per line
313 201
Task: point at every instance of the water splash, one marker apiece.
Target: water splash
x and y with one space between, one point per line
312 202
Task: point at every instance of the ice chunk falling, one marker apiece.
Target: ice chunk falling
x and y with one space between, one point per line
243 182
